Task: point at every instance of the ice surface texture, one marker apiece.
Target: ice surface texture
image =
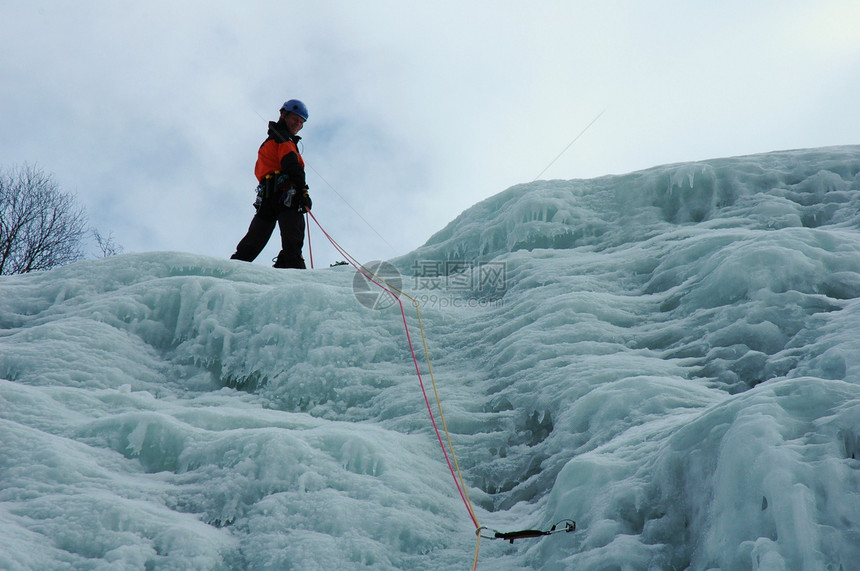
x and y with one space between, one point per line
671 360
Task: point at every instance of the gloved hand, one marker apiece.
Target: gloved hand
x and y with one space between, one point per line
305 202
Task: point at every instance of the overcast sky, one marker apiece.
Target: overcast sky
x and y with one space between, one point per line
152 112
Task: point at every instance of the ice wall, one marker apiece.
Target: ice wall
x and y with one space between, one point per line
788 189
670 360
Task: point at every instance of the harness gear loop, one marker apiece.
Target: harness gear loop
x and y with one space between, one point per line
269 184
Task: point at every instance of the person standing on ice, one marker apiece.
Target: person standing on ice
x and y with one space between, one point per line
282 196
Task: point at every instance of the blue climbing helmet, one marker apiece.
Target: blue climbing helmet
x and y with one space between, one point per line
297 107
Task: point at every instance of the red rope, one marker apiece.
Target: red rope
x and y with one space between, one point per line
414 361
310 250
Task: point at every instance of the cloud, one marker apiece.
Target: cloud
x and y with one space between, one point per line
153 112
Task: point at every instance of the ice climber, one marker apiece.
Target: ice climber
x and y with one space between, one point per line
282 195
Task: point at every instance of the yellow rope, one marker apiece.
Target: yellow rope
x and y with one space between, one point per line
439 405
415 304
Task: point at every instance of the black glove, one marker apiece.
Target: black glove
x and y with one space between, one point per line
305 202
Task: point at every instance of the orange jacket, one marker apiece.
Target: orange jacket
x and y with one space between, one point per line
279 153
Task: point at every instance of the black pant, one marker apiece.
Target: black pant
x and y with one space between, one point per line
292 226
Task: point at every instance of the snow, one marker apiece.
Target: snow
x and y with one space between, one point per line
667 357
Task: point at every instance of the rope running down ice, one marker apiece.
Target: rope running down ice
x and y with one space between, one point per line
390 289
369 275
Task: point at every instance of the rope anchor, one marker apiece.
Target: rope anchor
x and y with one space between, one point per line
569 527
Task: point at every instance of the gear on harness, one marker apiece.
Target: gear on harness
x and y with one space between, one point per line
299 199
305 202
268 186
569 526
273 183
258 201
288 197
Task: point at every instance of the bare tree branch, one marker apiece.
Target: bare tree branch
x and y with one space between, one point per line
41 227
107 244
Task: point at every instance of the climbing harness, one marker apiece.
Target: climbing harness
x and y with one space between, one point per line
450 459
